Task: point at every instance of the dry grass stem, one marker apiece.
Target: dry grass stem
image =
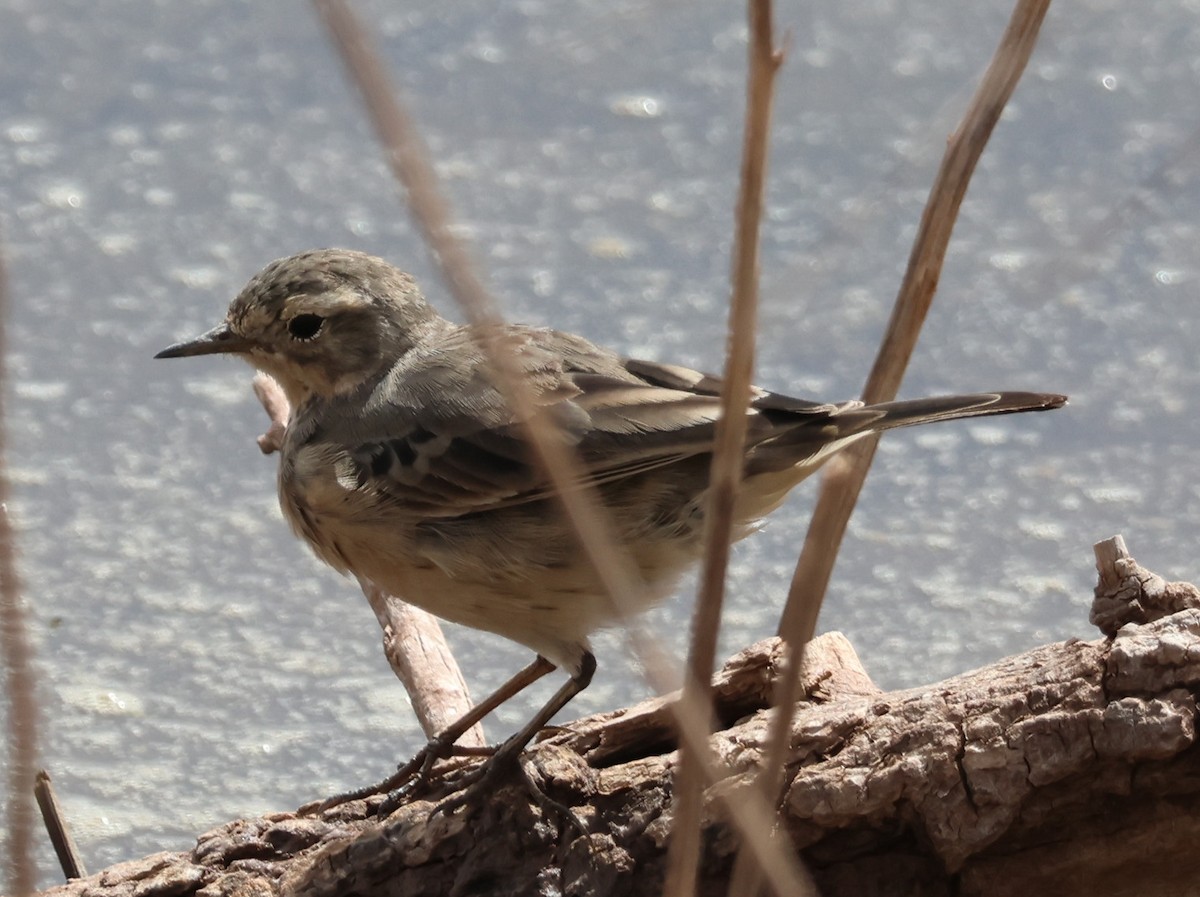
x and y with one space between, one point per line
963 150
729 450
841 485
18 673
409 161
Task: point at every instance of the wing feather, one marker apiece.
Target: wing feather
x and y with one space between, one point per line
465 452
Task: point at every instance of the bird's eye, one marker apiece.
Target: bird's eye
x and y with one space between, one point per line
305 326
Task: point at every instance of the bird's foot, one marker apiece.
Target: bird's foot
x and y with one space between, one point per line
503 767
407 781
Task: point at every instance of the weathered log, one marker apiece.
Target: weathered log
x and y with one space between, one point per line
1069 769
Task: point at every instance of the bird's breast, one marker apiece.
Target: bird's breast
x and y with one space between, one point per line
320 498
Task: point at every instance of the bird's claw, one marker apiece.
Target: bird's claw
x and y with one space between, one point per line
481 783
407 781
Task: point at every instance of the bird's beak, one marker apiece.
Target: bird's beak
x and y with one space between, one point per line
219 340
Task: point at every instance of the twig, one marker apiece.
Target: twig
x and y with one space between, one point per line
729 449
56 827
841 486
418 654
18 672
413 641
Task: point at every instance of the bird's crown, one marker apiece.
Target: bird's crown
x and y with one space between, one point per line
321 322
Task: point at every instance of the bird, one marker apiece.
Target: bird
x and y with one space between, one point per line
403 463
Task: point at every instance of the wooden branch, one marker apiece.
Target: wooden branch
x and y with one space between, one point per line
56 827
1071 769
1129 593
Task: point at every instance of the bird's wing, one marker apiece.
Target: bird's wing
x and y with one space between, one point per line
437 439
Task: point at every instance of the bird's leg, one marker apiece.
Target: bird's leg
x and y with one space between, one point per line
506 757
442 744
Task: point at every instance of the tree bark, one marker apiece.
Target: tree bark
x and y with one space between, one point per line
1069 769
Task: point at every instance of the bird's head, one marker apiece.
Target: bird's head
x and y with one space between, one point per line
320 322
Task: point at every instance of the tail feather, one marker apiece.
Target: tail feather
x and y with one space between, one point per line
806 438
907 413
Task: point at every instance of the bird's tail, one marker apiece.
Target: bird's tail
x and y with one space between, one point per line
907 413
809 435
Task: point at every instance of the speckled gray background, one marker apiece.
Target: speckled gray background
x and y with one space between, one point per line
196 663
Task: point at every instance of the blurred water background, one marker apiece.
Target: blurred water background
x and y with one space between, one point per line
196 663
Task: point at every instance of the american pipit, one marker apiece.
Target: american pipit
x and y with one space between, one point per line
402 463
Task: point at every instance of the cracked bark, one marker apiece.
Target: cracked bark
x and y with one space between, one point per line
1069 769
